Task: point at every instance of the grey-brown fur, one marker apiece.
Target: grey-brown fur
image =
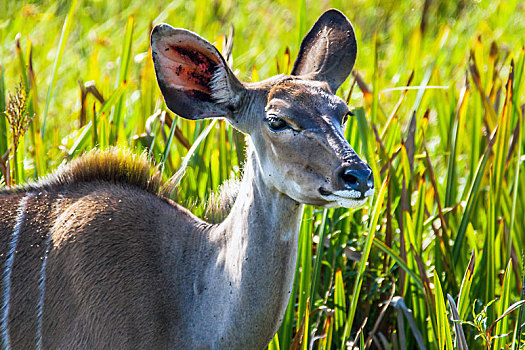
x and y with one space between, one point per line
96 257
82 211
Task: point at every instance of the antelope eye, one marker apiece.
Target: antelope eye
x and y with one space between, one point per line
277 124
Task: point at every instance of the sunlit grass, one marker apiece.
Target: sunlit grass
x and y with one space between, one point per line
448 150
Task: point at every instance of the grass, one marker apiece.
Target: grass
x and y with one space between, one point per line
445 146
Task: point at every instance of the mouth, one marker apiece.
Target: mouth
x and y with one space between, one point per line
346 198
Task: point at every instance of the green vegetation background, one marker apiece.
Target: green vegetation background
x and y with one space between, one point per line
444 235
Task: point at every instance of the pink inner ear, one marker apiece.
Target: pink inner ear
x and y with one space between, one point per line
187 66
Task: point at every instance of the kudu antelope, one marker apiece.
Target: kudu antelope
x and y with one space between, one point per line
95 258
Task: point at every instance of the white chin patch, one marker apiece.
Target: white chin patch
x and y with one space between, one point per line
350 203
347 199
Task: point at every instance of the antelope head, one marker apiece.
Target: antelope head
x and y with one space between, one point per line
295 122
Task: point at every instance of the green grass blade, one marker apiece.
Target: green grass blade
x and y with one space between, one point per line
464 301
390 252
58 59
375 81
489 252
326 342
454 137
419 216
305 277
516 341
81 141
340 302
175 179
274 344
471 201
515 188
364 260
443 331
318 258
306 327
502 326
501 147
224 155
3 121
125 60
167 147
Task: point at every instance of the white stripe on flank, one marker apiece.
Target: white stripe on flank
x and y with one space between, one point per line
4 326
42 288
41 292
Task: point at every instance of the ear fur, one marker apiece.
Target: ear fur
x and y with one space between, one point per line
193 76
328 51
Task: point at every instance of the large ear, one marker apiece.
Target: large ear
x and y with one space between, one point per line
328 51
193 76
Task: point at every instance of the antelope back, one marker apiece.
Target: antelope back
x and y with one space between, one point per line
82 264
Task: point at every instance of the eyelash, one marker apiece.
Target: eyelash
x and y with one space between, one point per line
277 124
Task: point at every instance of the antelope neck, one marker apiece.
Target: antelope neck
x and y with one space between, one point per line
247 277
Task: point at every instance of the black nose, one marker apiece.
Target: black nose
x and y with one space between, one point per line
358 179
